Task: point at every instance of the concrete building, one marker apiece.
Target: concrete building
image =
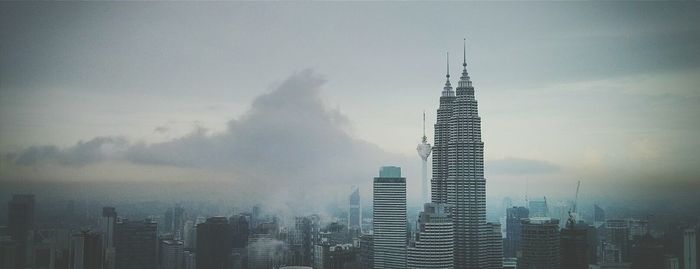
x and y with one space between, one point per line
214 243
172 254
574 249
108 223
617 233
514 217
690 254
86 251
136 244
540 245
433 246
389 219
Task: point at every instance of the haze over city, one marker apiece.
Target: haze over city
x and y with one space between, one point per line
288 105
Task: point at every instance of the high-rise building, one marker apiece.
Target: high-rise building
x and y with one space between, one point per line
20 218
514 217
108 223
189 235
618 234
690 255
433 246
458 170
340 256
136 244
647 253
389 219
574 246
539 208
598 215
366 251
86 251
214 243
540 245
354 210
424 152
171 254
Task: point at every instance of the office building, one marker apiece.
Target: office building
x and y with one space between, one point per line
433 246
108 224
389 219
514 217
171 254
494 246
366 251
214 243
617 233
690 254
574 247
539 208
354 210
540 245
136 244
86 251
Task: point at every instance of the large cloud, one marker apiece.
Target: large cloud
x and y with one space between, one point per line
288 140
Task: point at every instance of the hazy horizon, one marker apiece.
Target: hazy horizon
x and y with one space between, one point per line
303 100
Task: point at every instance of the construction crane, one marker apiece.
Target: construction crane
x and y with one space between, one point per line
572 220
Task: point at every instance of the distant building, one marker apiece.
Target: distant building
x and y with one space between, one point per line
341 256
171 254
618 234
366 251
514 217
540 245
671 262
86 251
214 243
20 216
690 254
108 224
539 208
598 215
574 249
355 210
389 219
189 235
647 253
638 228
136 244
433 246
189 260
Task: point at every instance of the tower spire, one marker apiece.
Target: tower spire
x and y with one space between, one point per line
425 138
464 53
447 90
464 81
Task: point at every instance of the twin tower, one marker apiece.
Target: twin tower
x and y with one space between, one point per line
458 175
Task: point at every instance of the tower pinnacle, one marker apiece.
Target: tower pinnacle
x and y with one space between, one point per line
447 90
464 80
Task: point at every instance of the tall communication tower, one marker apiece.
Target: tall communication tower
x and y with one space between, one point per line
424 150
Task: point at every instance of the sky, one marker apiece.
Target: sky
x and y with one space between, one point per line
295 99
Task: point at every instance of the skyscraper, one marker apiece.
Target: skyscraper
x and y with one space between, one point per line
108 222
20 224
389 219
618 235
493 246
574 246
514 217
434 243
354 210
214 243
690 256
458 170
424 152
86 251
540 245
598 216
171 254
136 244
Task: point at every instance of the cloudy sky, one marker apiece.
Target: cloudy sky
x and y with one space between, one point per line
318 95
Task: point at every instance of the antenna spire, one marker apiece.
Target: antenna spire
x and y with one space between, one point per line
448 65
464 53
425 139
